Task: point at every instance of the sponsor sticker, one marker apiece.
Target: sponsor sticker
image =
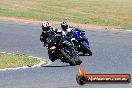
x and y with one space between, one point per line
83 78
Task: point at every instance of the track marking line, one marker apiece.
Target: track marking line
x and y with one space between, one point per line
43 62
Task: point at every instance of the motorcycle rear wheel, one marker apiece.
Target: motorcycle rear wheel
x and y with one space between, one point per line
78 62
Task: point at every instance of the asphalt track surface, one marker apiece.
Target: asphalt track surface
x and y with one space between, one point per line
112 53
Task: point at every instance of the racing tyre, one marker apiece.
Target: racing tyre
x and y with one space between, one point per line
78 62
87 50
76 57
68 59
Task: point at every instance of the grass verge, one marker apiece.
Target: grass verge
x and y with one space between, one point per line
16 60
100 12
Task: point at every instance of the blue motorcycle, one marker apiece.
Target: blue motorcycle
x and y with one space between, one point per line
80 42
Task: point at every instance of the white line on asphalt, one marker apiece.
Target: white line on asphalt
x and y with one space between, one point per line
129 30
43 62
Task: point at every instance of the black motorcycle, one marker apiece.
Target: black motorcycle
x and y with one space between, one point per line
59 48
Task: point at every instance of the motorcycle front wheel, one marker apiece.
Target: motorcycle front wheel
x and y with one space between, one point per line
76 57
86 50
67 58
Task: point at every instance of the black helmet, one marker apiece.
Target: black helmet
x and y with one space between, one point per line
46 26
64 26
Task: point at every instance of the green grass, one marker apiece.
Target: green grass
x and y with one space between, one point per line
16 60
102 12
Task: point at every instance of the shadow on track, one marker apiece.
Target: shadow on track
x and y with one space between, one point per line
83 55
57 66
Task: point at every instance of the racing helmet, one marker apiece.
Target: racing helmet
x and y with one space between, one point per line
46 26
58 32
64 26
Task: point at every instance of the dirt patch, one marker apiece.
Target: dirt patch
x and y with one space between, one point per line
26 20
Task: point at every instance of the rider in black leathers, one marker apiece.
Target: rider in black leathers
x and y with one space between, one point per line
49 33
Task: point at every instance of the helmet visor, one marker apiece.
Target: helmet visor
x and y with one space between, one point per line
46 29
64 27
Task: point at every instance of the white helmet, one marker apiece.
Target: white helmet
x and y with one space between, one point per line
46 26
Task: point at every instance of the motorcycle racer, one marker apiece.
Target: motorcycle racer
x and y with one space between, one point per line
46 32
70 31
66 28
75 34
49 33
